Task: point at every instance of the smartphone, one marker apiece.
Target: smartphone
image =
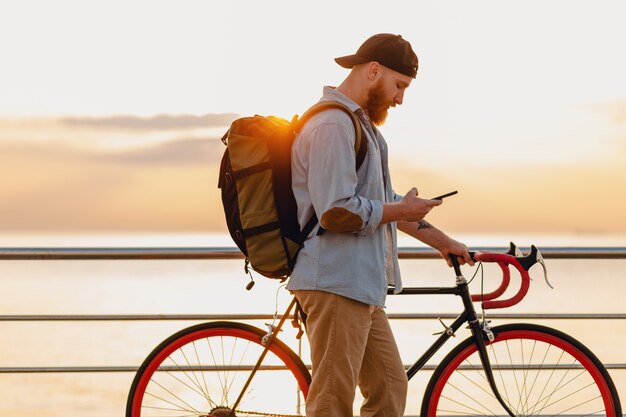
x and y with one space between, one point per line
441 197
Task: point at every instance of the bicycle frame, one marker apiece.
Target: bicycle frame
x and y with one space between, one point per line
467 316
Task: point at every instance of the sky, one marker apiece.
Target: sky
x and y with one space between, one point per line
111 112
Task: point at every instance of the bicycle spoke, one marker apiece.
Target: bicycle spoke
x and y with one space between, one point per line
225 388
193 373
545 400
185 384
578 405
472 399
506 392
558 386
508 349
463 405
537 373
243 356
190 409
530 361
489 392
477 368
532 411
522 390
201 372
230 366
219 376
563 386
171 358
569 395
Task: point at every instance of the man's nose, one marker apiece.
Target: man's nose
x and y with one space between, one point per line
399 98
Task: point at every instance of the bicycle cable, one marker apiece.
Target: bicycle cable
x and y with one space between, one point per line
479 267
482 284
482 292
280 287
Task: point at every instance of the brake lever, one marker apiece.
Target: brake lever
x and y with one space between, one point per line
514 250
531 259
541 261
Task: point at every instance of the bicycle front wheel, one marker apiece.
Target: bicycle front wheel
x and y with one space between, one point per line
202 370
538 371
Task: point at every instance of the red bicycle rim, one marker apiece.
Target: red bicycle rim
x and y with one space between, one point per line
584 360
239 333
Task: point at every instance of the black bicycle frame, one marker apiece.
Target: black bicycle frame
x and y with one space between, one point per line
467 316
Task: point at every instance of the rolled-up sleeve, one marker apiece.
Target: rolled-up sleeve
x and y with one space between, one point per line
332 182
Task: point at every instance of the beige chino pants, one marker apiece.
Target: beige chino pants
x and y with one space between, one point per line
351 344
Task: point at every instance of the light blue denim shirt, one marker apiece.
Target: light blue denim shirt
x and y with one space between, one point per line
361 260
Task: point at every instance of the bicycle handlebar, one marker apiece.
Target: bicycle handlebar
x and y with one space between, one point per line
504 260
521 263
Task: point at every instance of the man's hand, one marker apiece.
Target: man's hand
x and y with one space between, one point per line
452 247
410 209
415 208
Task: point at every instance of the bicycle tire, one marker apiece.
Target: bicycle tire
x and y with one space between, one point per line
558 376
201 370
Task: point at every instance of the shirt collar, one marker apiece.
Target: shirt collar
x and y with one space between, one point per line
331 93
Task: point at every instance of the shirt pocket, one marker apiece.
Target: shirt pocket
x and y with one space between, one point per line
371 173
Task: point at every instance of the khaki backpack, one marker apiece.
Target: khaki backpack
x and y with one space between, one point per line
255 181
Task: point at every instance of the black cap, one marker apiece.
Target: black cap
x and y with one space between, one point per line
387 49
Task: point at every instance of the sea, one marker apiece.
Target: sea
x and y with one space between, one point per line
152 287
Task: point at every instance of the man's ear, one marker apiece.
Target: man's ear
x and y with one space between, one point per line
374 71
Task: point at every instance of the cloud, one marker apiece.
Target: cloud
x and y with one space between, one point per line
158 122
165 187
176 152
182 151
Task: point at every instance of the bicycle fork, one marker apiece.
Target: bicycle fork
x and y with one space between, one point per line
479 333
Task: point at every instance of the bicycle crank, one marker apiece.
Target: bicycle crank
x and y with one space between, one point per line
227 412
220 412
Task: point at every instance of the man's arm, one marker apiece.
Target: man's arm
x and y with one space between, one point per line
430 235
326 146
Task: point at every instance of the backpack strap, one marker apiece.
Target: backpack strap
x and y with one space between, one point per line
360 145
360 148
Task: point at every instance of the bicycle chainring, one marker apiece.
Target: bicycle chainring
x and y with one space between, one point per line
226 412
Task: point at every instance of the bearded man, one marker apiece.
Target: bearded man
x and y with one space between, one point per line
342 275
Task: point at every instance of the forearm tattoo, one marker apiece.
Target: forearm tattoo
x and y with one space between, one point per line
423 224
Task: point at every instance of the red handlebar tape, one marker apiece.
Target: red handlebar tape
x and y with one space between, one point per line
506 280
504 260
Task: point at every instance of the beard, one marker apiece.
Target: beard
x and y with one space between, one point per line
377 107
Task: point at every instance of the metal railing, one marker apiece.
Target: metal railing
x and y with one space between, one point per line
222 253
233 253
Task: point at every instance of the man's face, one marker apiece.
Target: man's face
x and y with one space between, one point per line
387 92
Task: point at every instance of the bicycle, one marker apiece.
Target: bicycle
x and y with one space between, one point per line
222 369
